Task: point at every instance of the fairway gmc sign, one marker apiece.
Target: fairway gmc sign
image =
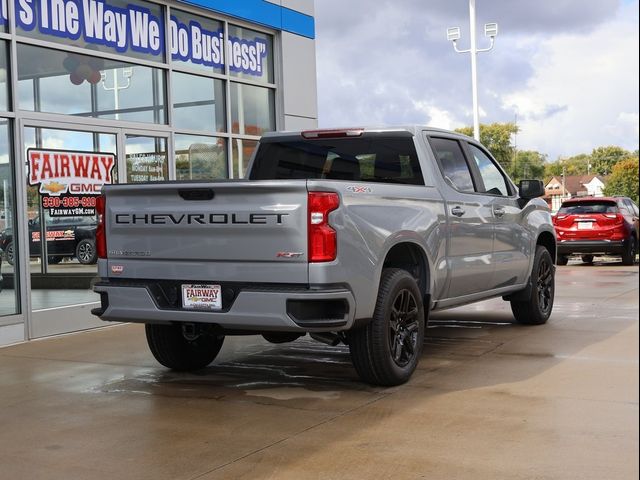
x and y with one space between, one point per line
68 181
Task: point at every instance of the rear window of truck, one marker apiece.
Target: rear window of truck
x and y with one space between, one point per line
591 207
362 159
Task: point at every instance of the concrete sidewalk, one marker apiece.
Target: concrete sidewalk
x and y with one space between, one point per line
490 400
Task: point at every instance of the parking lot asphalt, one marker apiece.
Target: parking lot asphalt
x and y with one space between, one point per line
490 400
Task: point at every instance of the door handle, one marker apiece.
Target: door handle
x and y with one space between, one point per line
498 212
457 211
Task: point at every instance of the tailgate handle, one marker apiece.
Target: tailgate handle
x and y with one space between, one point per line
197 194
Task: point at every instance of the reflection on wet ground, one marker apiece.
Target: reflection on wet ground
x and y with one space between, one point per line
487 397
304 369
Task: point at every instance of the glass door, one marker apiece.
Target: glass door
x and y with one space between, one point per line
65 170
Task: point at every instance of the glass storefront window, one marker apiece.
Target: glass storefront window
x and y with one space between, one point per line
59 82
198 103
242 152
127 27
250 54
252 109
9 292
200 158
196 42
4 76
146 159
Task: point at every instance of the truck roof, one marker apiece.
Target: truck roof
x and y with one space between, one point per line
411 129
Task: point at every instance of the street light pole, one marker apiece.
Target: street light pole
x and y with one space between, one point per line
474 70
453 34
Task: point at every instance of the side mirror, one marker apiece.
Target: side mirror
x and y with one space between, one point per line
30 221
529 189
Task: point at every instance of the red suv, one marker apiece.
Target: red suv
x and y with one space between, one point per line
597 226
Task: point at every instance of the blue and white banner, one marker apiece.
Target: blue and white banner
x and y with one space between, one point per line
135 28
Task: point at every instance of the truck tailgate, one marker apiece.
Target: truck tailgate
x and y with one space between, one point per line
222 231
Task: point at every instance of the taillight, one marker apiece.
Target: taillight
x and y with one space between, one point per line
101 238
322 238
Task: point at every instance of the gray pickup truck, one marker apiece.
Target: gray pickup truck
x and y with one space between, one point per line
350 236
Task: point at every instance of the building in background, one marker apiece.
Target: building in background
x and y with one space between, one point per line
556 191
124 91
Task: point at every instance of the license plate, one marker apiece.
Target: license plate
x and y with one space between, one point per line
201 297
585 225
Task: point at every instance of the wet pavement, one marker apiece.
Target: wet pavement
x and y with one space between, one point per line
490 399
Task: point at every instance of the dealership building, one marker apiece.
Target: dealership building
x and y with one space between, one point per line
94 92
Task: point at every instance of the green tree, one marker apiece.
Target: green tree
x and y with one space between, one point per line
497 138
528 164
604 158
624 179
576 165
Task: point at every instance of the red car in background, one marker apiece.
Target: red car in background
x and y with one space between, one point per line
592 226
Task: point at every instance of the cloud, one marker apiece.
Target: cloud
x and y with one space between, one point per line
595 78
389 62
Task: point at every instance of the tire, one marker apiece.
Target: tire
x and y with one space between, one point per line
387 350
54 259
587 259
629 255
174 350
537 309
9 253
86 252
562 260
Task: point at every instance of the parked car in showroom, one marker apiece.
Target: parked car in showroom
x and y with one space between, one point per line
67 237
592 226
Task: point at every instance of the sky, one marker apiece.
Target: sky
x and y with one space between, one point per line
567 70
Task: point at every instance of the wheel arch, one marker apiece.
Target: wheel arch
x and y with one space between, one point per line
548 241
411 257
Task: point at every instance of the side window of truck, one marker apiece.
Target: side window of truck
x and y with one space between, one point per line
453 165
494 181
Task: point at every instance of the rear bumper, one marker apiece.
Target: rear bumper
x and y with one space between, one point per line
253 309
567 247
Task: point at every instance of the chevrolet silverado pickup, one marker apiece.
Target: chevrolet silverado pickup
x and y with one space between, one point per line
350 235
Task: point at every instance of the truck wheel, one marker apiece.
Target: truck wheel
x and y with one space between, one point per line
177 350
86 252
537 309
587 258
54 259
562 260
628 257
387 350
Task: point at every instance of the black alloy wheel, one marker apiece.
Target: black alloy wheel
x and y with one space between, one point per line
536 309
545 286
403 328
